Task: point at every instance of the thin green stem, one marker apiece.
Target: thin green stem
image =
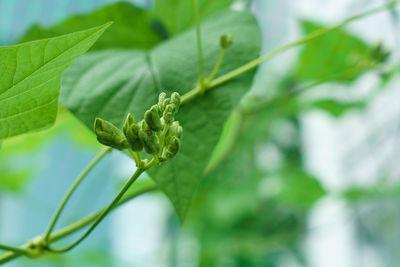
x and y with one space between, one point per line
301 41
134 156
72 189
217 66
85 221
199 43
13 249
139 157
191 94
162 135
125 188
153 162
252 64
74 227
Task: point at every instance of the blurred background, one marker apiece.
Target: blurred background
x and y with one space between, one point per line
311 177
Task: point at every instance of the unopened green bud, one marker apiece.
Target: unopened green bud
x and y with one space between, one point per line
161 98
149 141
172 147
131 131
168 117
144 127
169 112
109 135
225 41
164 104
153 119
170 108
175 130
176 100
160 104
128 122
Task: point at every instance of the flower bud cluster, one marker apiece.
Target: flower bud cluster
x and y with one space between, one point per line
158 133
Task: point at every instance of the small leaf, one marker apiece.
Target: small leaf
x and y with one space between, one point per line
30 75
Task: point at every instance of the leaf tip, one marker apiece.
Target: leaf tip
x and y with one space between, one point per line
108 24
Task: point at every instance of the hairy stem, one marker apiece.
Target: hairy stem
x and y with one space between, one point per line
72 189
253 64
74 227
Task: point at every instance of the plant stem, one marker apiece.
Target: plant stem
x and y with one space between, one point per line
162 135
199 44
72 189
217 66
191 94
134 156
85 221
125 188
72 228
139 157
301 41
252 64
153 162
13 249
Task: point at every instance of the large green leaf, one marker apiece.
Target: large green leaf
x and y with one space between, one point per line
109 84
30 75
336 56
132 28
178 15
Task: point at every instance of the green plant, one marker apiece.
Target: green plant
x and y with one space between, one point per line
205 108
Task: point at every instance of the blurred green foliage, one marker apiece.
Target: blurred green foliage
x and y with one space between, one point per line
86 257
18 154
246 215
337 56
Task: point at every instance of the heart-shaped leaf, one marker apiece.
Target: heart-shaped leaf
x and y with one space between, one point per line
109 84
